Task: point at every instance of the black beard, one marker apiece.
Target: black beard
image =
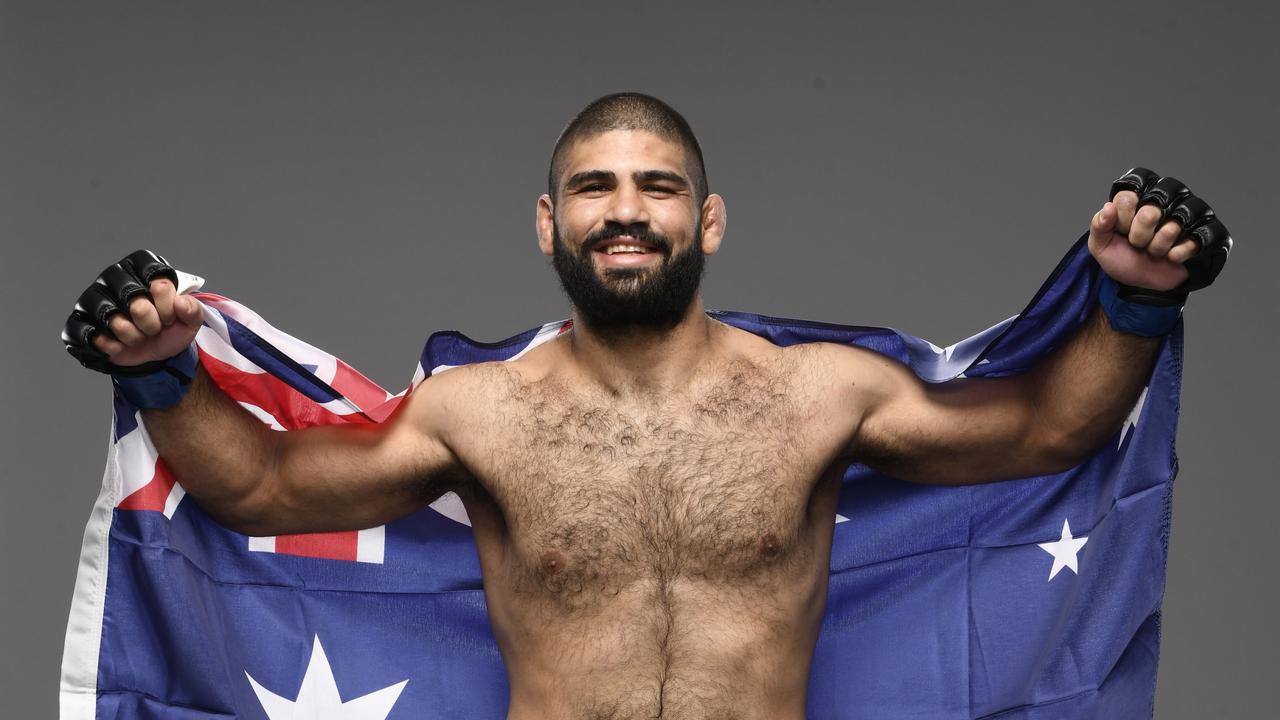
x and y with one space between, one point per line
625 298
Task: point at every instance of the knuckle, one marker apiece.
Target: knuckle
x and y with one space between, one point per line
120 327
140 307
167 314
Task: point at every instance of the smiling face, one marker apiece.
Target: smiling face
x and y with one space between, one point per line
626 234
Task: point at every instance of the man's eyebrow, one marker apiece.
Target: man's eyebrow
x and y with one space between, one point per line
587 176
662 175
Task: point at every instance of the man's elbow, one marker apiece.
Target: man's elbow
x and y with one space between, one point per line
245 522
1061 449
254 511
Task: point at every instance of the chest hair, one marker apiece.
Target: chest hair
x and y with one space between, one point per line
599 494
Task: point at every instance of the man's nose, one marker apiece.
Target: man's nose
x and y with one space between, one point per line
626 206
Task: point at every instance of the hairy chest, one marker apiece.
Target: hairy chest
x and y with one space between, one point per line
596 498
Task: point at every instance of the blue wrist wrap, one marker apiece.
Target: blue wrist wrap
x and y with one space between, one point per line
1136 318
162 388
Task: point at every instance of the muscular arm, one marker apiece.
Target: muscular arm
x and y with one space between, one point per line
1155 238
984 429
251 478
264 482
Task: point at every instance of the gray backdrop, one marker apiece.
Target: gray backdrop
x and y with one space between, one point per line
362 174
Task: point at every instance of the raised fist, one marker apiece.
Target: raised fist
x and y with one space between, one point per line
1156 239
131 318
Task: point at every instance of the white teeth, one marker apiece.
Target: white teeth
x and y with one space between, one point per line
614 249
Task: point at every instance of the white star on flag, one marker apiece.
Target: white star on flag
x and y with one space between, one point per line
1064 551
318 697
1132 420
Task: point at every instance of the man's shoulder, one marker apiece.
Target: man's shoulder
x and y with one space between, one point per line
801 370
836 372
473 382
463 407
821 357
805 351
483 388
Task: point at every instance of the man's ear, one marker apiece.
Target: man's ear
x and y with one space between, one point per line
545 223
713 223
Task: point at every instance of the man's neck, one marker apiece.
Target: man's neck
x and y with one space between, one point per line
643 360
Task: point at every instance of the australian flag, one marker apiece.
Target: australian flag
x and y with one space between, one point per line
1031 599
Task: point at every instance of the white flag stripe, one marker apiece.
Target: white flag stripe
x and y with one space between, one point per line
214 340
301 352
135 457
450 506
371 544
176 493
267 418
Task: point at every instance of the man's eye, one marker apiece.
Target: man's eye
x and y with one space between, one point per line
594 187
661 189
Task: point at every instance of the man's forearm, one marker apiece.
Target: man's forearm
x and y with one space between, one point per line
1154 242
218 451
1087 387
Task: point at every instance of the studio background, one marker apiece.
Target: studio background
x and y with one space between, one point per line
364 173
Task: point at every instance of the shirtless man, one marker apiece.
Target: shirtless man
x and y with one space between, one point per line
652 493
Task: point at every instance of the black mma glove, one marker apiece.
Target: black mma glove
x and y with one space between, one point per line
156 384
1198 222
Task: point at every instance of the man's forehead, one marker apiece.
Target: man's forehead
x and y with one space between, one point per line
624 151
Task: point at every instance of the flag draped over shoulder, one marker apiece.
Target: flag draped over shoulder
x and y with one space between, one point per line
1032 599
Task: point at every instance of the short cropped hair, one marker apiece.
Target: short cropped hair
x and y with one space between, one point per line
631 111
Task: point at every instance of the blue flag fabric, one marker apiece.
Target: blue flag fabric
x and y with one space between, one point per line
1035 599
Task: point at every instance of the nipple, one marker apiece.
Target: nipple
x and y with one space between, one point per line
769 545
552 562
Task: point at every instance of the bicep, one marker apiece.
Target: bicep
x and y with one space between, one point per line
959 432
358 476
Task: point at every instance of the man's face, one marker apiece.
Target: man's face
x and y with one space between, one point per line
626 232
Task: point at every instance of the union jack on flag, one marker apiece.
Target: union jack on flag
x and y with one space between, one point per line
1035 599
